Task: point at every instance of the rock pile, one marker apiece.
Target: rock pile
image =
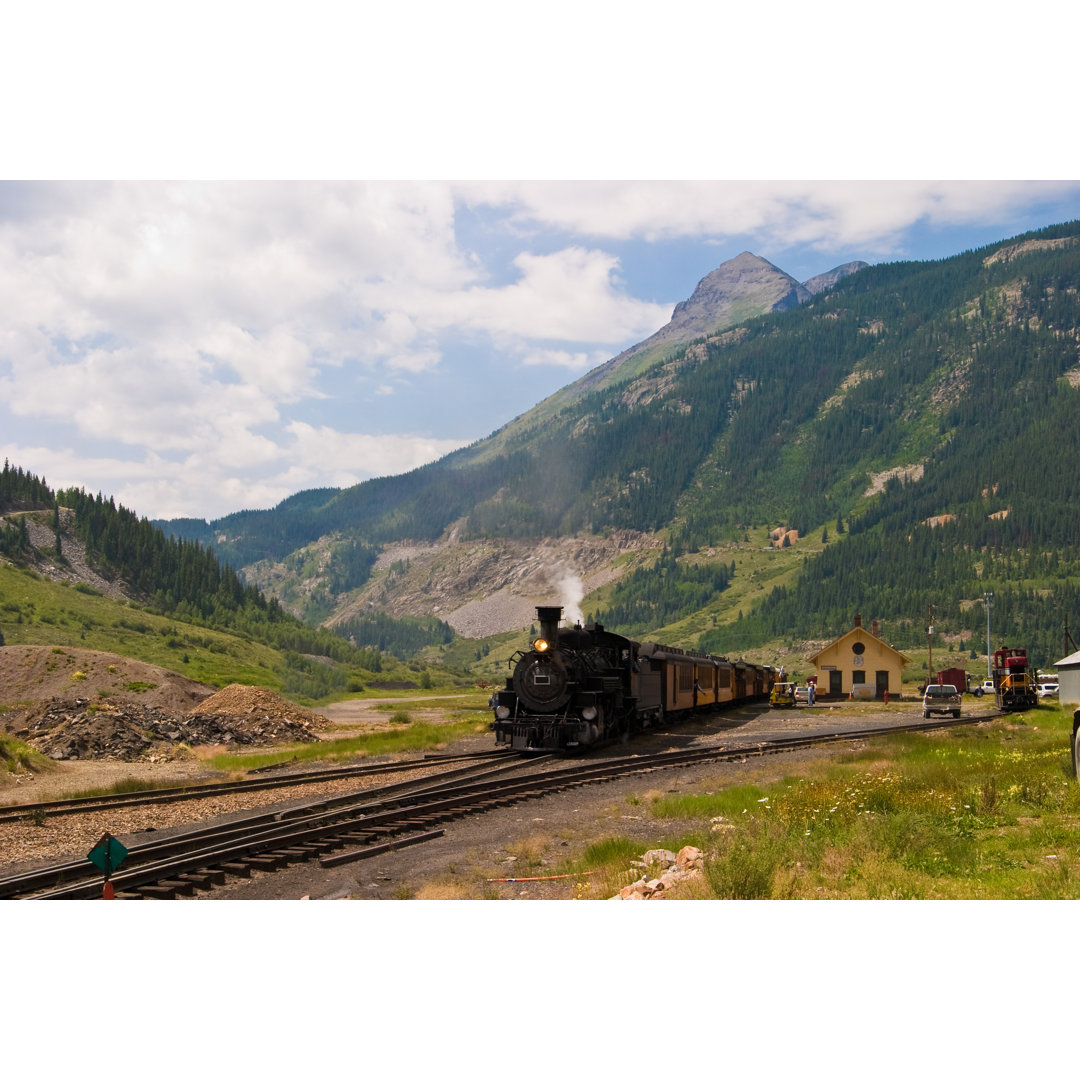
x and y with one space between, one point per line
672 869
81 731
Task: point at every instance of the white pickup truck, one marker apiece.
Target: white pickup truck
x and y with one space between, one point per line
941 698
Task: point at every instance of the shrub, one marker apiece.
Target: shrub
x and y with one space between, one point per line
745 866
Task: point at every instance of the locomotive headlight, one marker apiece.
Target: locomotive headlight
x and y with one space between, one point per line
540 645
502 712
588 713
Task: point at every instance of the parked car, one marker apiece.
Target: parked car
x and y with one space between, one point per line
1048 689
802 694
941 698
987 687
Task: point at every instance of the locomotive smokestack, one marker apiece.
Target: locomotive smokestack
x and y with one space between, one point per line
549 622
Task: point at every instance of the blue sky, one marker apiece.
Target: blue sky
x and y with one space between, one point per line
434 231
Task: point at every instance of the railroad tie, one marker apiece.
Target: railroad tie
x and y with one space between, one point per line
298 854
179 885
239 869
152 892
159 892
204 879
266 862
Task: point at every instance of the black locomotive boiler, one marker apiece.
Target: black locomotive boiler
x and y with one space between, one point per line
577 687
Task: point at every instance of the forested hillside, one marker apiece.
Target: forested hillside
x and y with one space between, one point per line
956 378
980 391
169 577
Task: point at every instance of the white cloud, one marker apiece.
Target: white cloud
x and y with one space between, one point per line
825 213
571 295
345 458
232 473
573 361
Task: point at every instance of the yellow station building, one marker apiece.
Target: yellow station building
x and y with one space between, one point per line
859 664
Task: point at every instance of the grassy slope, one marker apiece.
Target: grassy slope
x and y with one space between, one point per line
34 611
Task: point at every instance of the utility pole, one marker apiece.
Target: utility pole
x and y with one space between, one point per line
988 600
930 640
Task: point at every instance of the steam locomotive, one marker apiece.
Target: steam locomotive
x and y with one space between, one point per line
580 686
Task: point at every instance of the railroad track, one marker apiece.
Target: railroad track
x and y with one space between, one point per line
352 827
67 879
90 803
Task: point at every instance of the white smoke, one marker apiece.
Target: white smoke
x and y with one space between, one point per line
570 589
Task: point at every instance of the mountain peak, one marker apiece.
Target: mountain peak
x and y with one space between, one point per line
741 288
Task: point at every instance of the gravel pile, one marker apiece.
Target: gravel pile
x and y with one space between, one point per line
239 700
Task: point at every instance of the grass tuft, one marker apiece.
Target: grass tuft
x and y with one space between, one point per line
17 756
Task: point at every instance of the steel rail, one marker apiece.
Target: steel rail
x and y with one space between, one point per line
89 803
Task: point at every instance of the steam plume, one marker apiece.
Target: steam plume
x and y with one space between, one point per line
572 592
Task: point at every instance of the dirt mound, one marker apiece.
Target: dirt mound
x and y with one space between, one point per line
80 731
256 701
31 674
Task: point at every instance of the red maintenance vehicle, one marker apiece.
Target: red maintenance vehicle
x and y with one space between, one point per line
1014 683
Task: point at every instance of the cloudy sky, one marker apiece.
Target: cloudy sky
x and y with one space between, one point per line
199 346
